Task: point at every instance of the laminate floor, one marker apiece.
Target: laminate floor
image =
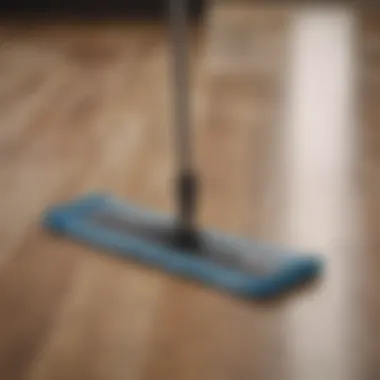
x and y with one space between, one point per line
285 116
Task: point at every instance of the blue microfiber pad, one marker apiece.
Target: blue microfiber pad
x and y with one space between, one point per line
240 266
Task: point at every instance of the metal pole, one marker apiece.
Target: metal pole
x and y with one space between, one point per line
180 57
186 235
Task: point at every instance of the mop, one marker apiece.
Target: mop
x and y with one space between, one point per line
175 244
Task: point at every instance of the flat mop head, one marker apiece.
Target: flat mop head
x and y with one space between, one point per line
240 266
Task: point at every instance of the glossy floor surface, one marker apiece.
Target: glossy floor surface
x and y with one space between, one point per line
285 109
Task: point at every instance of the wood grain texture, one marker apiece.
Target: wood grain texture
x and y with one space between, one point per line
283 155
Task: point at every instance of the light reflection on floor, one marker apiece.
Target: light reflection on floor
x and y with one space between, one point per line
319 146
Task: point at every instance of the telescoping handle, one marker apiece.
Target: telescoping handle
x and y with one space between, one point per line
187 180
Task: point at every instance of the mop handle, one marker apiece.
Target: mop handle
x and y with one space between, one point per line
180 56
186 181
